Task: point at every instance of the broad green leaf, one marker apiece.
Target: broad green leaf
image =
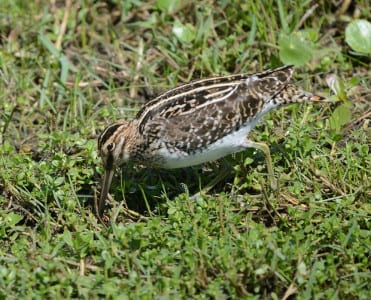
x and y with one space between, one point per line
358 36
169 6
58 181
294 50
309 34
67 237
185 33
171 210
12 219
340 117
248 161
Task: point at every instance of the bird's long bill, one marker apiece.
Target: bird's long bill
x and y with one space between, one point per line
107 179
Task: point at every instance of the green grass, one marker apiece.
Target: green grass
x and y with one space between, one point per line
310 239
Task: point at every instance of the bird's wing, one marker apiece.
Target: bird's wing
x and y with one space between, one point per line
203 93
198 119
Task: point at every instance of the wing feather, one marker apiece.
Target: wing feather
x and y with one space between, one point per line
205 92
196 119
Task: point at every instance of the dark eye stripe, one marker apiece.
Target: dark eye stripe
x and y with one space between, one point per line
107 133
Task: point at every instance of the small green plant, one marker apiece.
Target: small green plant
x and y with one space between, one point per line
295 49
358 36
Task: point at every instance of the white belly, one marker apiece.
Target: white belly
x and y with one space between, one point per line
231 143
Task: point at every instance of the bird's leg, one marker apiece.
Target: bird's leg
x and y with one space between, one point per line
222 174
265 149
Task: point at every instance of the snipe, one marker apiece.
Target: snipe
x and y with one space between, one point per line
198 122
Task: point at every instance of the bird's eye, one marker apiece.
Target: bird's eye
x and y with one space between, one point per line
110 146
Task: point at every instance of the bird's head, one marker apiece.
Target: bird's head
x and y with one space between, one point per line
111 146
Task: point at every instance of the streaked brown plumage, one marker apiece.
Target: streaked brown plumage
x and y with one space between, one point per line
198 122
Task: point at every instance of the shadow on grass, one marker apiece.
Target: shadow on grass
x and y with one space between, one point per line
145 191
